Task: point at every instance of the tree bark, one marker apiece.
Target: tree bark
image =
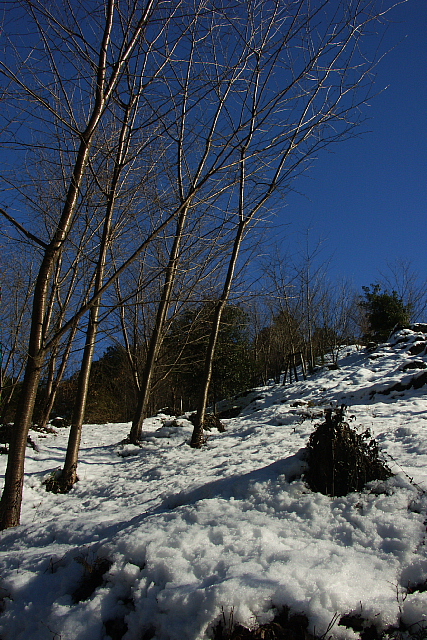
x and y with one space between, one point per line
10 505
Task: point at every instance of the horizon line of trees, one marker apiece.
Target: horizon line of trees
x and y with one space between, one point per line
252 348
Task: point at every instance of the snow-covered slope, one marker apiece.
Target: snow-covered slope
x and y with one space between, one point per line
181 535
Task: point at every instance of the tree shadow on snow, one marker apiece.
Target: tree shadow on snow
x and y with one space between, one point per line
238 485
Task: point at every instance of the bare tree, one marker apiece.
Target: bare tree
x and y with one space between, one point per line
401 277
324 79
204 141
336 326
75 101
68 476
145 314
242 94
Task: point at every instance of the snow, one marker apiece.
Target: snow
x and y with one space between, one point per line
231 527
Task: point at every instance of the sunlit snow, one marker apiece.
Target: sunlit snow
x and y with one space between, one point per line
191 533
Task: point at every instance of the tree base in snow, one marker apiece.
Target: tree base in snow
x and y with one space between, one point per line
60 483
197 439
210 422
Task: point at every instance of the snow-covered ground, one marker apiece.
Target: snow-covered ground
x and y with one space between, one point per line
231 527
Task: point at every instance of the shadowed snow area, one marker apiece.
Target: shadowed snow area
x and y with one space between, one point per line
190 533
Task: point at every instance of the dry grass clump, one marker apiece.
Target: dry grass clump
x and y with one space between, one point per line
284 626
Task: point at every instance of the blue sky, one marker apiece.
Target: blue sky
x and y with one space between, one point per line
366 198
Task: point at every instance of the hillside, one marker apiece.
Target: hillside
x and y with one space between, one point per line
160 542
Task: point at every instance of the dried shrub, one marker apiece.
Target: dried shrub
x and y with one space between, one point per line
340 460
364 628
211 422
93 576
368 629
284 626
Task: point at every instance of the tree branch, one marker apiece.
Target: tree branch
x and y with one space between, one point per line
22 229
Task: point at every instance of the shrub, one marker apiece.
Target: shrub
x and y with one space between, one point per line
384 312
340 460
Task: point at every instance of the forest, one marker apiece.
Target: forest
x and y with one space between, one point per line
147 148
255 345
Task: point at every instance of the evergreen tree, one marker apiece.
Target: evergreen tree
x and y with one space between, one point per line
384 311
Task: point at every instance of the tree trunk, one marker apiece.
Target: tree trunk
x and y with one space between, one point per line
197 436
12 494
157 335
68 475
10 504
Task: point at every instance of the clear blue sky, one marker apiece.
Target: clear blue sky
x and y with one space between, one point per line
367 197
